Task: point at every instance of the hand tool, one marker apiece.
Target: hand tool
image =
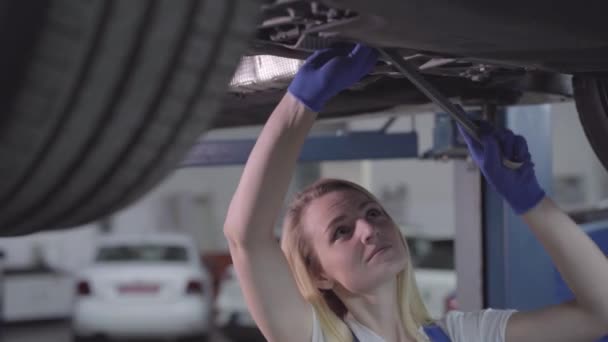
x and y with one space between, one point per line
410 71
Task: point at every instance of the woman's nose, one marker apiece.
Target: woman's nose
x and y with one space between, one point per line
367 230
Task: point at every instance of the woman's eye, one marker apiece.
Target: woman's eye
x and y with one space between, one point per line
373 212
341 232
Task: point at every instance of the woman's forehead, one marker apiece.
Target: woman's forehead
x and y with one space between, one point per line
325 208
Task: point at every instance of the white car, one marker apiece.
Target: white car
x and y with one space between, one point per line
232 316
151 286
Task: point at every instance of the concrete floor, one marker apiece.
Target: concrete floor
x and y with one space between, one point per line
57 331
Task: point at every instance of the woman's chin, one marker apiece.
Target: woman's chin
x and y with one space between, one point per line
395 264
391 270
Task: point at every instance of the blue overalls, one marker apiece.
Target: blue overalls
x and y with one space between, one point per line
433 331
436 334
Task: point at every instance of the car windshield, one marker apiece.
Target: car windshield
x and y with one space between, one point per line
142 253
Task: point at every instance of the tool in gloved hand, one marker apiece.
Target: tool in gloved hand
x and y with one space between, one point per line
520 187
455 111
329 71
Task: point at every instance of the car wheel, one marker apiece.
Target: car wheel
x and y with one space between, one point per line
101 99
591 96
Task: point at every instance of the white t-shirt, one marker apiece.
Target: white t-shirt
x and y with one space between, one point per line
479 326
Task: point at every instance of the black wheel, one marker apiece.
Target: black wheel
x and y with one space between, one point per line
591 96
102 98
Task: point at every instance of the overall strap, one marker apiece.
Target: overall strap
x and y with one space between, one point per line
436 334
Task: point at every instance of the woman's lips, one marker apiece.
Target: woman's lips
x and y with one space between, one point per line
377 251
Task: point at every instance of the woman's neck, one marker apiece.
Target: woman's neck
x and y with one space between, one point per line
378 310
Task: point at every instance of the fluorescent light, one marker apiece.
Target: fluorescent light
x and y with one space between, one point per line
263 72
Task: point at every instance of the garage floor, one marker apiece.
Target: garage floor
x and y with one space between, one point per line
53 332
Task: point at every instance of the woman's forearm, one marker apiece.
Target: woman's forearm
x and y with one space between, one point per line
259 196
580 262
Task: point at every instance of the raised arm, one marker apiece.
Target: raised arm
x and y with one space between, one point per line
268 285
584 268
579 261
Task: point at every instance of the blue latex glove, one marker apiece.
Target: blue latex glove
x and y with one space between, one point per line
327 72
518 187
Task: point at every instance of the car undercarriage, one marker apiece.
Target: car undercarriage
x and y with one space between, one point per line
461 68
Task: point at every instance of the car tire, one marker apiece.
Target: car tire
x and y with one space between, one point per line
591 97
102 98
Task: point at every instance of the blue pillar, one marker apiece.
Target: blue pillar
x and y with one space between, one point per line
518 271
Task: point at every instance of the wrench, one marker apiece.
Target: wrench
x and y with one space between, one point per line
411 72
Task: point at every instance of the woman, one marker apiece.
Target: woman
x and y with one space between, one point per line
345 273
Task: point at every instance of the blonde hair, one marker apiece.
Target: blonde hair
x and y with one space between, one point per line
329 308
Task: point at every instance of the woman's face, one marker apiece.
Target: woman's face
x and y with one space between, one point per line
358 246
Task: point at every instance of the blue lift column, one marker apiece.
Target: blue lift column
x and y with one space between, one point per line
518 273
